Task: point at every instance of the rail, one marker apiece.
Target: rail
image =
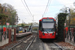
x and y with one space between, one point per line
58 46
30 44
11 48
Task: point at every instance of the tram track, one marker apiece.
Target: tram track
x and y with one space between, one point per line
21 42
34 43
30 44
51 46
58 46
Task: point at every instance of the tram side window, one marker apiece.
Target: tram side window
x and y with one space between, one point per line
40 25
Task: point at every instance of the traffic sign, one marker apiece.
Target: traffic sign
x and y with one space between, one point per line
7 24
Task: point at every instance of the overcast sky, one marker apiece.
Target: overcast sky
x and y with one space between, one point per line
37 8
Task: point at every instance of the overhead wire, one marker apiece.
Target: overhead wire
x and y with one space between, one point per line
30 11
22 3
46 7
25 7
28 7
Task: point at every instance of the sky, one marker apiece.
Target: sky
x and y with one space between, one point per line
36 8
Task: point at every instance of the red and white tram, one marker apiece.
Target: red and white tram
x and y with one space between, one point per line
47 28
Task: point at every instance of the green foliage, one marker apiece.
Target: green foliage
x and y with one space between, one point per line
71 15
61 20
3 18
34 28
22 25
72 18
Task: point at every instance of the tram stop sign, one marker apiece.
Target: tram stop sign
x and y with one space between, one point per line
4 28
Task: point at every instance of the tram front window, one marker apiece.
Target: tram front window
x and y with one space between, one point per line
48 30
20 28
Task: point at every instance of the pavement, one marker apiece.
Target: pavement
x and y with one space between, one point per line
66 45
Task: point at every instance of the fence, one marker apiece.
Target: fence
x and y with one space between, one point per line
7 36
70 35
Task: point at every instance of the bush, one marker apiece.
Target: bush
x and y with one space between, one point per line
61 20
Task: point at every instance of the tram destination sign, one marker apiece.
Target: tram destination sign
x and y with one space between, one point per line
48 20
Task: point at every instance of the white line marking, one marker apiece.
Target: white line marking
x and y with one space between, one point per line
40 46
18 46
46 46
35 40
27 40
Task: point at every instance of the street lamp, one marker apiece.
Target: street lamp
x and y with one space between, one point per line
17 23
12 21
69 20
17 20
74 30
74 3
33 19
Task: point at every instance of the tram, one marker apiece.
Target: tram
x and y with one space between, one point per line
20 29
47 28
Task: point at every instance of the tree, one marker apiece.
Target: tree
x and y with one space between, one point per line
22 25
71 15
12 14
64 10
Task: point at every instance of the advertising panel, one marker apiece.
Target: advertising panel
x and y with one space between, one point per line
12 31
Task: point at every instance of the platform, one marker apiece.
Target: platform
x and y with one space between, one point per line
22 34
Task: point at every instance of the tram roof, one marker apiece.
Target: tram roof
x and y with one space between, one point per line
46 18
